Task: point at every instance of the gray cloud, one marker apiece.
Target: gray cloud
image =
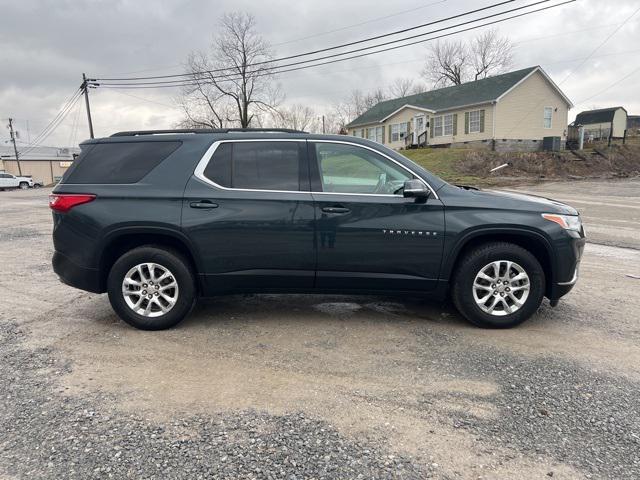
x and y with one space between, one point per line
46 45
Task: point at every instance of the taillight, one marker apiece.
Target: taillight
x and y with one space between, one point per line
63 202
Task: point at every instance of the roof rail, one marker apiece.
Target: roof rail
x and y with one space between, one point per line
133 133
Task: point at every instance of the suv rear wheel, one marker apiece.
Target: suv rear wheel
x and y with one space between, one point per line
151 288
498 285
24 185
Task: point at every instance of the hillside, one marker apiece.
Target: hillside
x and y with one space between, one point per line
472 167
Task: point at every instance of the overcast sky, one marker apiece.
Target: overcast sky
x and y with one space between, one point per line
46 45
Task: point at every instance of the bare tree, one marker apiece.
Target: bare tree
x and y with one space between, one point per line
233 82
453 63
491 54
401 87
354 105
447 64
298 117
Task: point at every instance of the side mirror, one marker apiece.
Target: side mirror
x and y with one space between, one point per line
415 188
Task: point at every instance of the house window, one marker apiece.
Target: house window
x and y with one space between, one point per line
548 117
443 125
448 124
375 134
398 131
474 121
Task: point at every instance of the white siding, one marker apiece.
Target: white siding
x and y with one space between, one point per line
520 114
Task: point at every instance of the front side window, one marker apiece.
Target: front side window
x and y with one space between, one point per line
256 166
398 131
548 117
352 169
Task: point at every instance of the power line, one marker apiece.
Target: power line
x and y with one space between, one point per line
308 37
74 125
57 120
142 98
600 45
575 69
610 86
321 50
545 37
372 20
186 82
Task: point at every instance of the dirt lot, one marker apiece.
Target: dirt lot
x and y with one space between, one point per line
323 386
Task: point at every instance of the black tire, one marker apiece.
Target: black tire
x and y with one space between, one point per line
170 259
23 186
471 265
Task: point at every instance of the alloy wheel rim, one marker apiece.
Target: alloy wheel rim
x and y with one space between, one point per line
150 289
501 288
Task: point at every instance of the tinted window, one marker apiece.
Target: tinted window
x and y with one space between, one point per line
219 167
120 162
351 169
256 165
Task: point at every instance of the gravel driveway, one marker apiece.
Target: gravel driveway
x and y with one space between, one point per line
301 386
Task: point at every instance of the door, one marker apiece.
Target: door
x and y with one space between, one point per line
418 128
369 236
249 213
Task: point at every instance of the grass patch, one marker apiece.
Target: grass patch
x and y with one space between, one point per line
444 162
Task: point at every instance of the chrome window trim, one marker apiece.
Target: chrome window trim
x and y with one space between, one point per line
208 155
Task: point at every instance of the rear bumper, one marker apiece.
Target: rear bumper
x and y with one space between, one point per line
76 275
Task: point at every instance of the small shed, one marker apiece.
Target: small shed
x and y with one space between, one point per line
633 125
602 123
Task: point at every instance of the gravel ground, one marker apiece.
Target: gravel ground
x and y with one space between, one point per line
46 434
274 386
554 408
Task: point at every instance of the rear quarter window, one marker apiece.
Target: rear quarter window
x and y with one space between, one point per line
122 162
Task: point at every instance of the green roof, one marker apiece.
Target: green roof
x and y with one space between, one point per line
603 115
471 93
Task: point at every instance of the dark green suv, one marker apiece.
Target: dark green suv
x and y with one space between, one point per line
159 218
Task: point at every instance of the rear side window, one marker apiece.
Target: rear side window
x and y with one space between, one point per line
125 162
257 165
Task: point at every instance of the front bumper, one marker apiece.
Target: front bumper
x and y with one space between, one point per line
568 268
76 275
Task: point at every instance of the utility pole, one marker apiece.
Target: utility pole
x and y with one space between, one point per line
323 129
15 149
85 89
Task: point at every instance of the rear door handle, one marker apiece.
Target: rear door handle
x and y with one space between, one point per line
335 210
203 204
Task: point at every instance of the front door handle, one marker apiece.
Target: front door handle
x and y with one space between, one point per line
335 210
203 204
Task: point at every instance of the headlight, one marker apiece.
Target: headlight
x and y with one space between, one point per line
568 222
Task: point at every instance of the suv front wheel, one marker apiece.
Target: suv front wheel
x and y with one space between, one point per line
151 288
498 285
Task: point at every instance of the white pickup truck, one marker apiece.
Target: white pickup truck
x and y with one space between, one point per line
11 181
